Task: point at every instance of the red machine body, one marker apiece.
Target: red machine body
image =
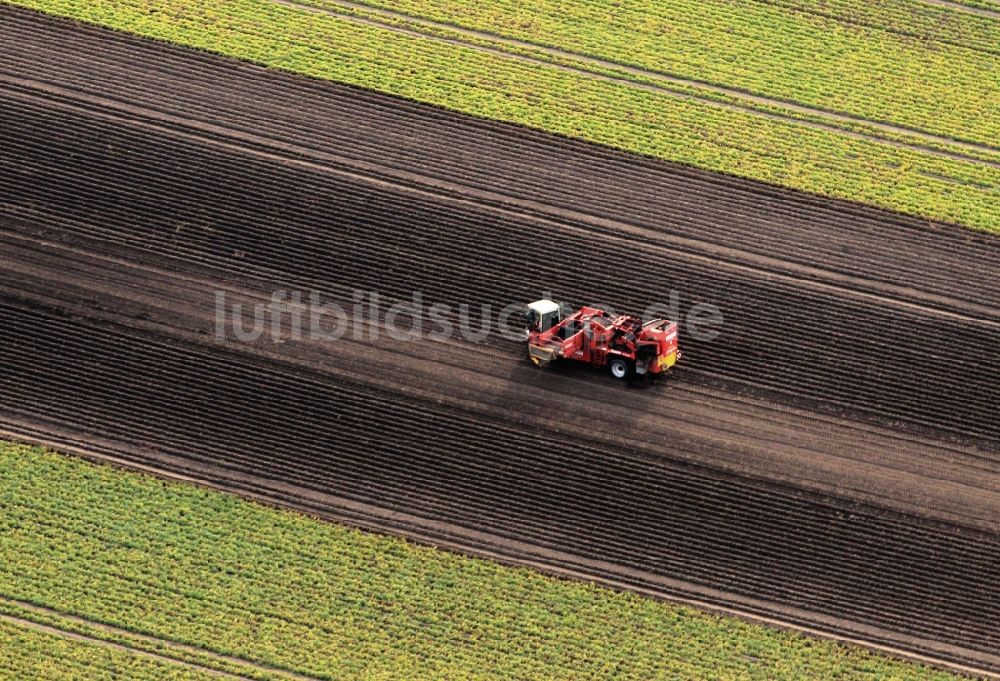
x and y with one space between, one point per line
623 343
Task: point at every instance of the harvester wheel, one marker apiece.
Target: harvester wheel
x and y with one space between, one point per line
620 368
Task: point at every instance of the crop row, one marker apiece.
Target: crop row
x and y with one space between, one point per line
768 50
27 653
573 104
193 565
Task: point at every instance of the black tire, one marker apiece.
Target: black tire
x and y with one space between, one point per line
620 368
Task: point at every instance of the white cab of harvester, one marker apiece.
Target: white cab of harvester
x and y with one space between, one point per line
544 314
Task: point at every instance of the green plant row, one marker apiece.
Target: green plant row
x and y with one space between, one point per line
193 566
26 653
819 60
461 78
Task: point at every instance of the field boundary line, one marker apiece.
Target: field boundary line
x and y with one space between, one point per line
476 544
584 61
567 220
958 7
49 613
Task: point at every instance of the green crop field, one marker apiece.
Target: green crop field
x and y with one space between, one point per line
223 583
908 94
26 653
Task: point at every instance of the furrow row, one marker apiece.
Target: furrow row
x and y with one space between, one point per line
303 228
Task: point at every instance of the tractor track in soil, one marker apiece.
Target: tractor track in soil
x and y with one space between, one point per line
152 156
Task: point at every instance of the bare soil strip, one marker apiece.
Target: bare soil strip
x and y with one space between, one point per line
743 435
370 14
807 276
777 331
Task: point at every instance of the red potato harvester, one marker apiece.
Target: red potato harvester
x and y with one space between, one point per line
623 344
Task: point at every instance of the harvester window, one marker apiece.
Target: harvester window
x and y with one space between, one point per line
531 318
570 329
